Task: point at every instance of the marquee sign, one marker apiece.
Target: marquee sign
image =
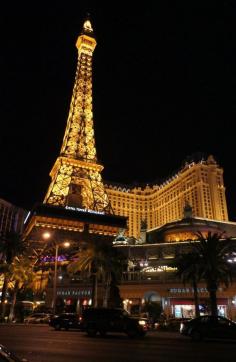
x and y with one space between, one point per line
84 210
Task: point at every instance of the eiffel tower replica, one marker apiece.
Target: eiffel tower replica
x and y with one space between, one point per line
76 198
76 174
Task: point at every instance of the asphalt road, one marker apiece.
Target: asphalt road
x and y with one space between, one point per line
40 343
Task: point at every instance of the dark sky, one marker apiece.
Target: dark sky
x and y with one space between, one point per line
163 88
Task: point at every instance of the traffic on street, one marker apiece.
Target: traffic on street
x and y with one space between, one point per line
41 343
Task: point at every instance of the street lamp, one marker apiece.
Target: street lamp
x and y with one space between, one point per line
66 244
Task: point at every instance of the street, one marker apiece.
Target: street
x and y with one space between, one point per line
40 343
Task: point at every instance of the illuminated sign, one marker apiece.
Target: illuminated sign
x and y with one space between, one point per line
85 210
187 290
78 292
161 268
51 259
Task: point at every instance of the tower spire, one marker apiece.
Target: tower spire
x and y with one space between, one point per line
76 174
87 26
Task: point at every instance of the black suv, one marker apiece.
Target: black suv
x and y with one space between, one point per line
66 321
105 320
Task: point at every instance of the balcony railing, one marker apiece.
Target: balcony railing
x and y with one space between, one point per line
138 276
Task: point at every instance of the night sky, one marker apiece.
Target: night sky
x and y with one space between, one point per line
164 87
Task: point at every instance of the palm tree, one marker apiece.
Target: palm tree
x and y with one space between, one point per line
20 275
11 245
188 271
85 260
99 260
207 261
112 266
214 267
40 279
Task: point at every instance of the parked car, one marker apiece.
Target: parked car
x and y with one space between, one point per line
171 324
8 356
104 320
209 327
66 321
38 318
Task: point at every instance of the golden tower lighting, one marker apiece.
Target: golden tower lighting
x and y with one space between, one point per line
76 174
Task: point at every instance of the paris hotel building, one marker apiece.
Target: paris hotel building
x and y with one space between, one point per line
199 184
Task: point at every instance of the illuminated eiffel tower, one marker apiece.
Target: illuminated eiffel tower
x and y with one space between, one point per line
76 174
76 204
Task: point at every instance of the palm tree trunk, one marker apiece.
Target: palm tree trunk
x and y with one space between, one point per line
196 299
94 290
213 301
4 295
107 290
11 314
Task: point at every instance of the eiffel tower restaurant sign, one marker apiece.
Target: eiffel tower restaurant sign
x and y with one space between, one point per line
76 198
85 210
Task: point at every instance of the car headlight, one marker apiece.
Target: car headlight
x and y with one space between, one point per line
141 323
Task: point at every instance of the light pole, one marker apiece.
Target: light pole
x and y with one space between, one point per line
54 296
54 293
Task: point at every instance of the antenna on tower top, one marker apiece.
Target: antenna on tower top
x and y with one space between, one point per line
87 25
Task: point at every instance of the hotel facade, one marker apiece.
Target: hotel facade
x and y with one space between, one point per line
11 218
199 184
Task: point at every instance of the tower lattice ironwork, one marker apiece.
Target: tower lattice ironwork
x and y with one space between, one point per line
76 174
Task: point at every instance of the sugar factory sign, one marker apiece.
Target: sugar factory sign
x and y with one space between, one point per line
75 293
187 290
